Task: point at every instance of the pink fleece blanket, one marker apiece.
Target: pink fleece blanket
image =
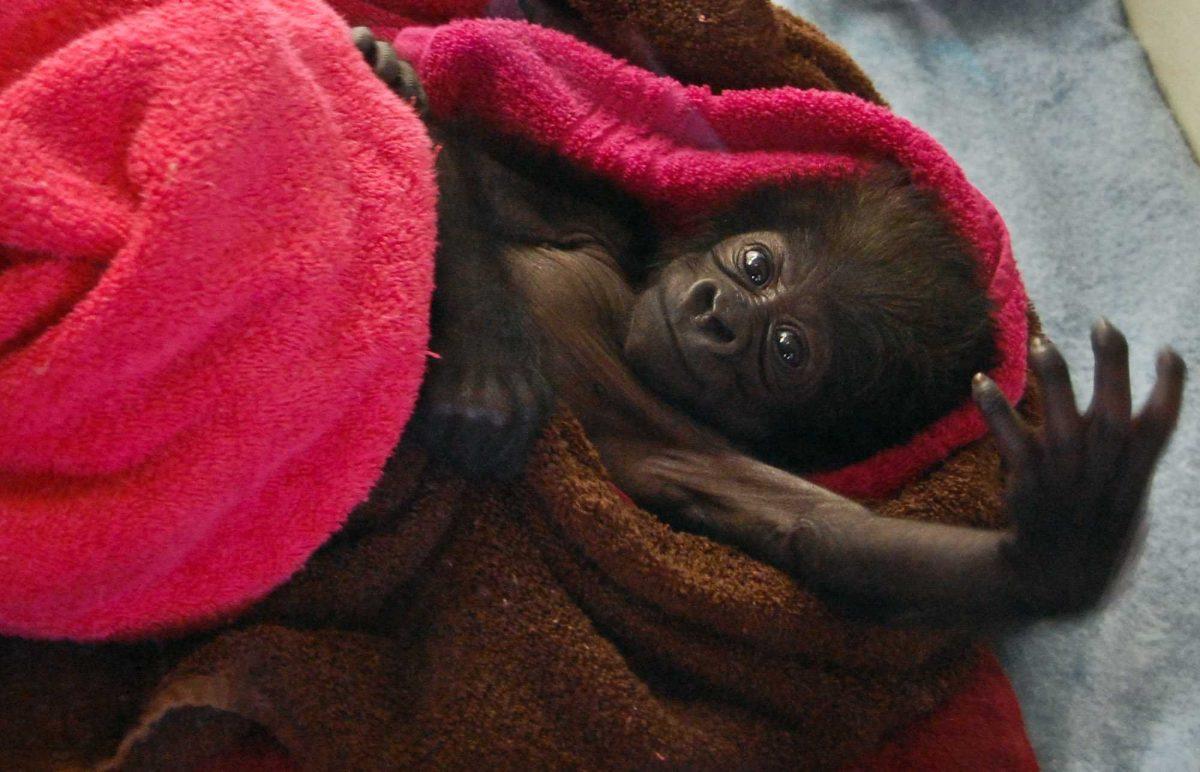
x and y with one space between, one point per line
217 230
215 275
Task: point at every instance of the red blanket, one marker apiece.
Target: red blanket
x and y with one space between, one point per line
214 285
216 277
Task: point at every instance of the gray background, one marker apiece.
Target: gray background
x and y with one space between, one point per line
1052 110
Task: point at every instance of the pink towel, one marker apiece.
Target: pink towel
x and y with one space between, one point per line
216 239
214 281
684 151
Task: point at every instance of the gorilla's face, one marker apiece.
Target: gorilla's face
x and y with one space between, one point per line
733 334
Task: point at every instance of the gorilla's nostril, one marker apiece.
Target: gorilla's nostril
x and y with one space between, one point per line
701 297
704 305
716 329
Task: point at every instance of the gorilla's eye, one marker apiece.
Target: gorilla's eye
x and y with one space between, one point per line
756 262
790 347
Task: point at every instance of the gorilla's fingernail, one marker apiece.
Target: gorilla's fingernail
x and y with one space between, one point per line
1171 363
1102 329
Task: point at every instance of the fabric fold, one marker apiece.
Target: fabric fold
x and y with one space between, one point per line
546 623
216 268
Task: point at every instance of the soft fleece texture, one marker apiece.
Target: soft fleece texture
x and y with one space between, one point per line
545 625
214 288
176 497
352 592
1052 108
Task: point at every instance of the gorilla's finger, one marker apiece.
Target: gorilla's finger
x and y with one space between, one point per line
1108 417
408 85
364 41
1011 434
442 435
483 428
1110 395
1062 415
386 62
1160 414
512 449
1157 420
524 401
1152 430
426 425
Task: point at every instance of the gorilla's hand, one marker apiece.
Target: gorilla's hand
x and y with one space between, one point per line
484 401
1076 498
396 73
1077 487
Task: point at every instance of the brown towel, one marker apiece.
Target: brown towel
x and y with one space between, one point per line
724 43
548 623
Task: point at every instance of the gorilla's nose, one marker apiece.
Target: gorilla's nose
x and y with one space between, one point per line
716 316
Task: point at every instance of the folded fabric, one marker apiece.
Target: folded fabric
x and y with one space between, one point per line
543 625
216 239
551 623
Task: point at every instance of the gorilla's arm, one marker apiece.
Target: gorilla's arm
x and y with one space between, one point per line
1075 498
485 397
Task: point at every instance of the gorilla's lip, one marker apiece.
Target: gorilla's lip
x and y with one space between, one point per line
680 354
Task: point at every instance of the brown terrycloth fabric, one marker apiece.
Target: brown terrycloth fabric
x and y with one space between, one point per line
548 623
544 624
724 43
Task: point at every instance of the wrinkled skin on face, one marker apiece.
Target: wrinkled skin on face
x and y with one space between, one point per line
818 325
735 335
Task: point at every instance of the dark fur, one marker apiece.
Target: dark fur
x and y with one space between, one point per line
535 283
901 288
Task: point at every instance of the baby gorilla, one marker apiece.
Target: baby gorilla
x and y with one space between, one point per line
804 329
817 324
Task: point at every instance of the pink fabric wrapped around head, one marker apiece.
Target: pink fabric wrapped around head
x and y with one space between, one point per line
685 151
